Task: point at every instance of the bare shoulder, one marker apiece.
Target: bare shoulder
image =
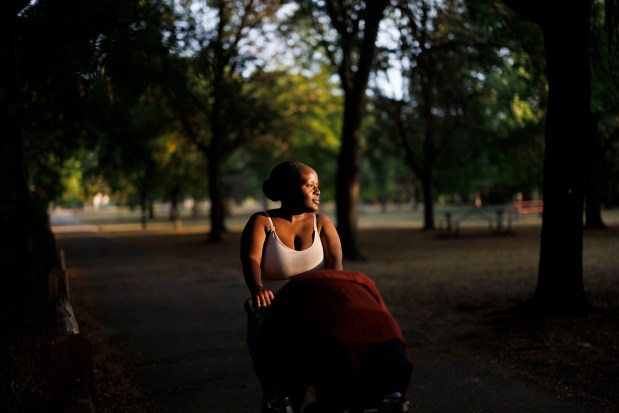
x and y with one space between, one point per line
323 221
260 215
258 219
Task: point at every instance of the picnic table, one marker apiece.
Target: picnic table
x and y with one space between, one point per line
499 219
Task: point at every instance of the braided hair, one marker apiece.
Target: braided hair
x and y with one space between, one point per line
282 177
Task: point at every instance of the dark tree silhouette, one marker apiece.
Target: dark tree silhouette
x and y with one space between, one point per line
566 31
354 84
351 52
231 121
15 205
48 77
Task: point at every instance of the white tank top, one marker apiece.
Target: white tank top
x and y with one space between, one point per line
280 262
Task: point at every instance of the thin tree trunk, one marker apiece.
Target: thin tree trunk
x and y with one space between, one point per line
427 83
428 157
354 83
215 153
347 179
217 201
428 200
174 203
143 207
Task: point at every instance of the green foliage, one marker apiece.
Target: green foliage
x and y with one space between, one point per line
505 148
102 96
386 177
304 123
473 92
72 179
145 157
76 74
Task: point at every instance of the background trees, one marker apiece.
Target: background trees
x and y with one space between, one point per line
566 43
55 96
346 33
604 122
150 101
63 81
162 102
222 36
471 99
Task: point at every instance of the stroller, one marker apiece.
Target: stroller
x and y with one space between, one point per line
331 331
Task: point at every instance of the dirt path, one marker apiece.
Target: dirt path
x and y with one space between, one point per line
164 312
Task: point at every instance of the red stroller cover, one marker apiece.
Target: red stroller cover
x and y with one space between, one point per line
324 325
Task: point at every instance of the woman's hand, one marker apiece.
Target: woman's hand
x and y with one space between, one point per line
262 298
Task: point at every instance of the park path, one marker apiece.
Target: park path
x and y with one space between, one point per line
177 325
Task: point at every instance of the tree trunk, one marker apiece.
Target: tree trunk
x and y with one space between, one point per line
215 153
217 201
428 150
143 207
428 200
354 84
566 39
175 193
427 82
15 207
347 179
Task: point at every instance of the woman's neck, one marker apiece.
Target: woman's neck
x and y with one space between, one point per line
291 214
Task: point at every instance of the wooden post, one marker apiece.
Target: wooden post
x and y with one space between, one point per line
57 285
72 366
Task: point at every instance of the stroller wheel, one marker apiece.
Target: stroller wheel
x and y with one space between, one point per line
396 404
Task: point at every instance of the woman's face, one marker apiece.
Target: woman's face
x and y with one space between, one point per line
309 195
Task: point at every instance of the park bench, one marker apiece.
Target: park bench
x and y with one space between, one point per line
499 219
535 206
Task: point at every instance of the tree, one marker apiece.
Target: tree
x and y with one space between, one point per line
604 108
347 33
498 154
46 86
225 108
15 204
434 101
305 123
468 108
50 51
566 33
140 156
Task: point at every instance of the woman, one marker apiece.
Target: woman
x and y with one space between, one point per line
293 239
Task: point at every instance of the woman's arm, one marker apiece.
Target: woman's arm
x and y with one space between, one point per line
330 243
252 244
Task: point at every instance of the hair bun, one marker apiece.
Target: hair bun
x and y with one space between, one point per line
282 177
270 190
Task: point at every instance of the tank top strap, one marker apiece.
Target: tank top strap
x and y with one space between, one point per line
271 226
